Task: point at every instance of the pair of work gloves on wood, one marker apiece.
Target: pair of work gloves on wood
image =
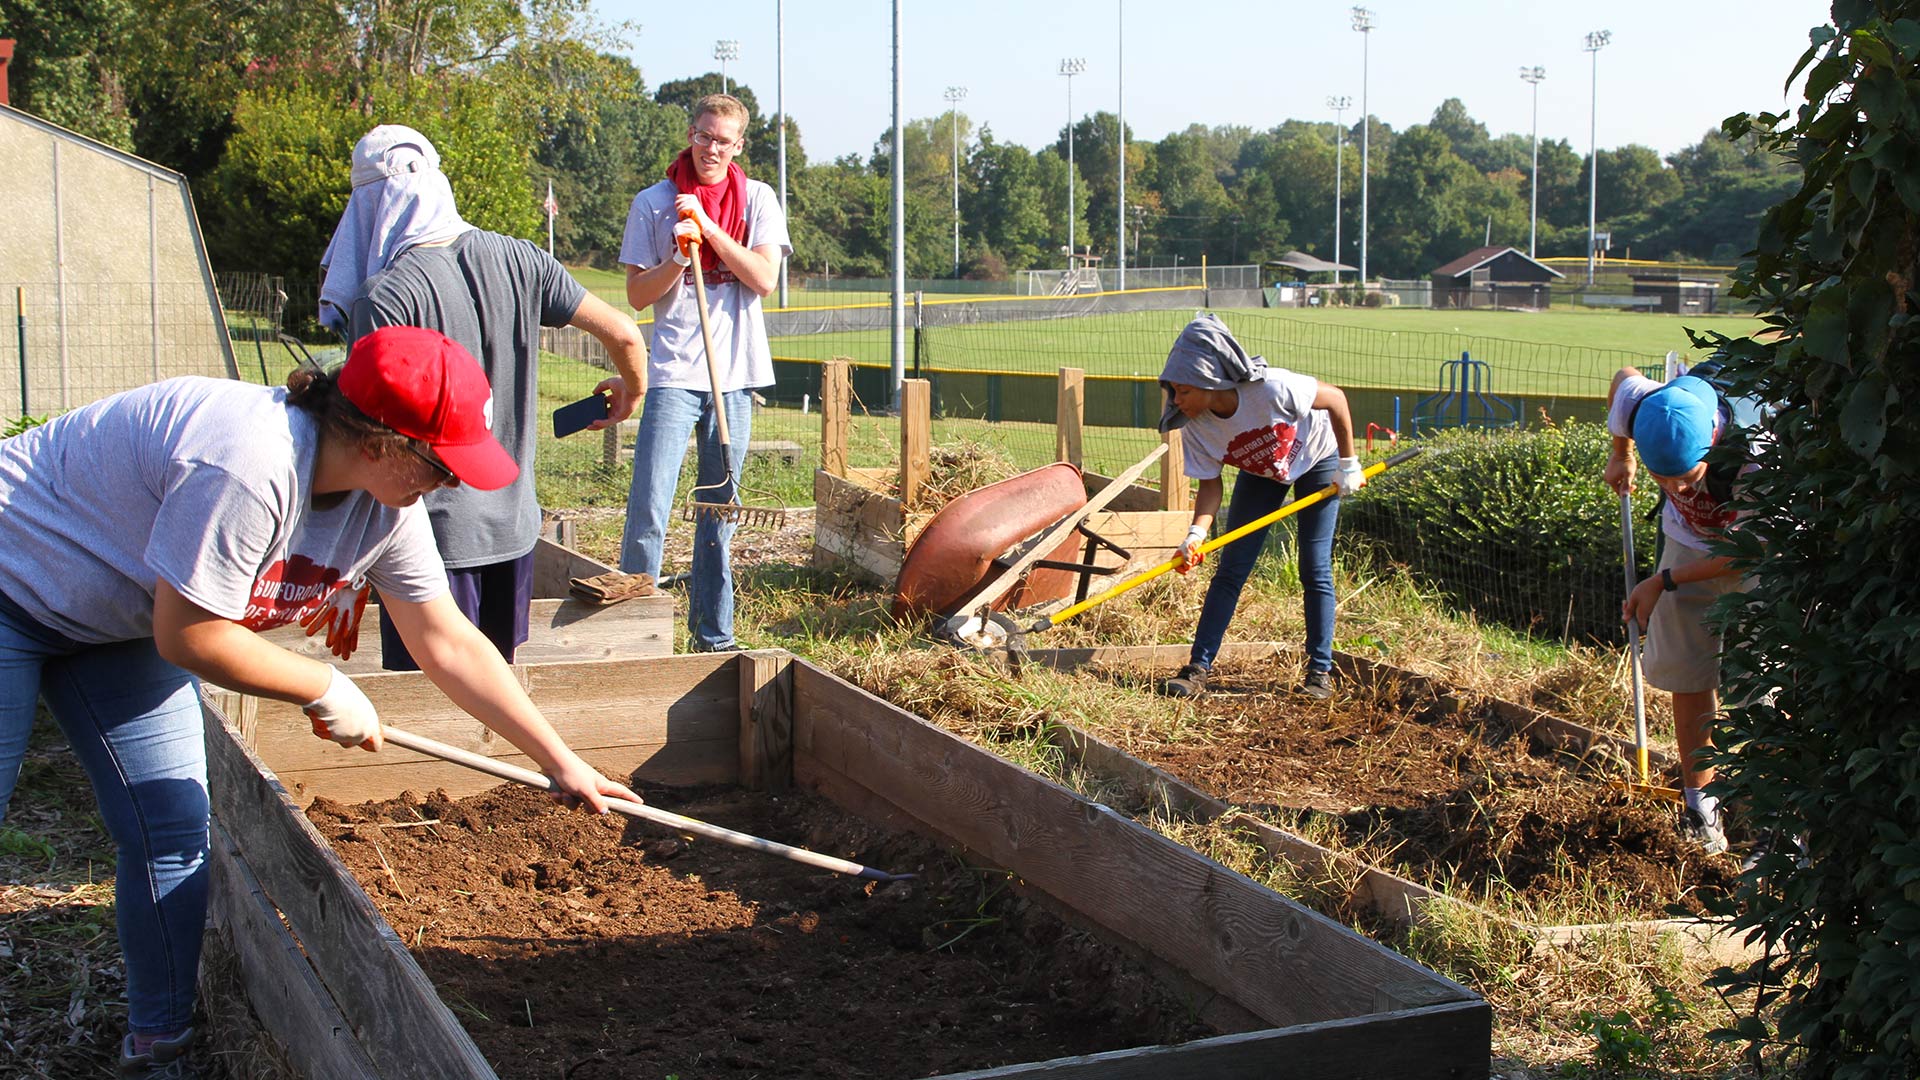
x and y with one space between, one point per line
1348 477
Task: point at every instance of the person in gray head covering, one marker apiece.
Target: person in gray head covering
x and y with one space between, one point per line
402 256
1281 430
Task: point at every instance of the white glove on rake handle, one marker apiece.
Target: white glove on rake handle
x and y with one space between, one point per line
1349 477
343 713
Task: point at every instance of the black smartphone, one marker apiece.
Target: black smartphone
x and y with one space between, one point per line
568 419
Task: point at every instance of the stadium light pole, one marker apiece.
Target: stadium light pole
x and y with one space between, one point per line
955 95
1120 232
724 50
780 113
1534 75
1071 67
897 167
1595 42
1339 105
1363 22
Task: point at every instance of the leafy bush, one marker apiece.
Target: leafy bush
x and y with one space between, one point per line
1832 755
21 423
1515 526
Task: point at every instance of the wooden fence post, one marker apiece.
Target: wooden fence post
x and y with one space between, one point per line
916 437
836 406
1070 415
1175 493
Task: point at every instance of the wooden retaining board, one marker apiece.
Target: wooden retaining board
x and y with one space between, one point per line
1334 1004
1381 892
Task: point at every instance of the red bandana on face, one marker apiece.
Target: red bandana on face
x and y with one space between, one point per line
724 202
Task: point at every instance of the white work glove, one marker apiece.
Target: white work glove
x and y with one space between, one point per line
686 236
343 713
1190 554
1349 477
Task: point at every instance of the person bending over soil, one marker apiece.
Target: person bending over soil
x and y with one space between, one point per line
146 538
1279 429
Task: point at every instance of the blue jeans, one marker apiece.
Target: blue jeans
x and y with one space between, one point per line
1255 497
669 417
134 721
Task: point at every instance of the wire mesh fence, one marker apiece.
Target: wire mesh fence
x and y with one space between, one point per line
74 343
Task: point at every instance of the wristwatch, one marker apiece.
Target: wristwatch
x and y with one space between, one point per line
1666 579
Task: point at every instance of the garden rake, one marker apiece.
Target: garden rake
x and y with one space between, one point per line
732 510
420 744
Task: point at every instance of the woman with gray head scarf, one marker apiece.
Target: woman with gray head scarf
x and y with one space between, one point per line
1281 430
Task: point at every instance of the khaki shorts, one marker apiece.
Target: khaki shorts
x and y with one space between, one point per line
1683 655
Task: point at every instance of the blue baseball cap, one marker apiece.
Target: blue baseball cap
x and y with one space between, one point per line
1673 426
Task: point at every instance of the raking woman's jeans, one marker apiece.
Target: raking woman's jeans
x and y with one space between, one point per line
133 720
669 417
1255 497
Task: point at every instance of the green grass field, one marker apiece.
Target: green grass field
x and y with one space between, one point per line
611 286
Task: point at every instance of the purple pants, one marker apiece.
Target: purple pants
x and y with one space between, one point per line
493 597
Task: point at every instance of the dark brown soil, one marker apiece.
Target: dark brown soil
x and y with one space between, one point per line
595 948
1454 799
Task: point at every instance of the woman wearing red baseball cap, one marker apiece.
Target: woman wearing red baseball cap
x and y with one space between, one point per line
145 538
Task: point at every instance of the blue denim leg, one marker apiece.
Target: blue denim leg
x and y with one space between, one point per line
133 719
710 601
667 419
1255 497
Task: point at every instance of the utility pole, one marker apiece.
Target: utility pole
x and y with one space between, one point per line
1595 42
1534 75
1339 105
1120 232
955 95
780 114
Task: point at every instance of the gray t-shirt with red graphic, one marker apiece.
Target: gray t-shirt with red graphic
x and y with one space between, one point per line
202 483
1275 432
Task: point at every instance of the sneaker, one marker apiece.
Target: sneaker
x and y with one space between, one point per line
1771 842
1190 682
166 1059
1707 835
1318 685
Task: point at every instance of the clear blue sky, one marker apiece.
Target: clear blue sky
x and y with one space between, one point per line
1663 81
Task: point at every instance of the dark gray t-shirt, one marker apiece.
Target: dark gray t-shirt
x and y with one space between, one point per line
203 483
492 294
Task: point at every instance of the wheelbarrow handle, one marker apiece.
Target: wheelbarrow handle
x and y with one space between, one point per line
420 744
1050 621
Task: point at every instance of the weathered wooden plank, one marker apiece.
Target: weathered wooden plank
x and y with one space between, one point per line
386 999
602 710
1070 410
1134 499
557 631
1176 491
916 437
1278 959
1142 531
1442 1042
836 415
766 720
873 478
285 994
386 774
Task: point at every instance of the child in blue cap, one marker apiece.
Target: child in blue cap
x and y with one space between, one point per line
1674 425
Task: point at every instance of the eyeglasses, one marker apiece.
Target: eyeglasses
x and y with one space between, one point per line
707 138
447 479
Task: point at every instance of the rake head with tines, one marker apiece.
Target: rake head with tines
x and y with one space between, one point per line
753 517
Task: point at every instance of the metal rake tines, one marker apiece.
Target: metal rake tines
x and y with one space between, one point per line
750 516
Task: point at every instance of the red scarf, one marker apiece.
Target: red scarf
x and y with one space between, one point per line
725 203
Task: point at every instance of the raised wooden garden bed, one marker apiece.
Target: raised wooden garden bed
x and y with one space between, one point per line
1293 993
1374 891
860 527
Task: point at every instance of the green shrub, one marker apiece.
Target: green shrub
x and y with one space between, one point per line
1515 526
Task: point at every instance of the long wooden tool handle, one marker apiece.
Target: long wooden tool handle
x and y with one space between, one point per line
706 341
1294 507
1633 639
1045 544
422 745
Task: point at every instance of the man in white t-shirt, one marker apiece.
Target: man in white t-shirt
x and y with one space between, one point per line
1279 429
1673 425
708 211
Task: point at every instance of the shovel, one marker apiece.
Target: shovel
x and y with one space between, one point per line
1048 622
1643 785
420 744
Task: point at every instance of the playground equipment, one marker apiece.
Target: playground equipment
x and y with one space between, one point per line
1465 400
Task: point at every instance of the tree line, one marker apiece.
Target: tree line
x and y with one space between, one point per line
259 105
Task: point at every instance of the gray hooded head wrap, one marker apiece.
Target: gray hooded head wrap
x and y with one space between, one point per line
1206 355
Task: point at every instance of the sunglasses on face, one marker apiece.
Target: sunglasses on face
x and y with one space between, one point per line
445 475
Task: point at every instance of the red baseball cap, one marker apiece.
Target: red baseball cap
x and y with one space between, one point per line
426 386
